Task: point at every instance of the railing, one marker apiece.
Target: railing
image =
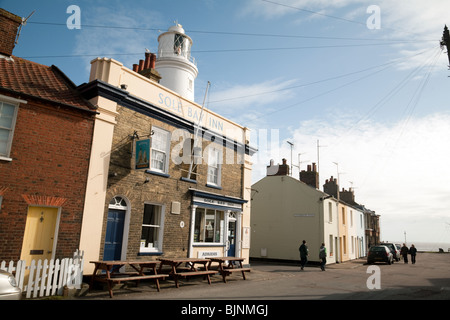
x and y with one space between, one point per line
48 277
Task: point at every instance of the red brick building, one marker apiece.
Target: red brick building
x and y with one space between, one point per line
45 143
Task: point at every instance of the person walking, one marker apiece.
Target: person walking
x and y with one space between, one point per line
303 254
413 252
404 253
323 256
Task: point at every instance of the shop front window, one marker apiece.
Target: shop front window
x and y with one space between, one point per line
209 226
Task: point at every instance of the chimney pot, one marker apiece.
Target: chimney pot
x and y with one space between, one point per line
147 60
135 67
141 65
152 60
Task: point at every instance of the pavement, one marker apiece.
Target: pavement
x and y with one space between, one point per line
428 279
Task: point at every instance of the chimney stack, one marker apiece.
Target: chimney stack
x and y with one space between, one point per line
311 176
147 67
279 169
9 25
330 187
348 196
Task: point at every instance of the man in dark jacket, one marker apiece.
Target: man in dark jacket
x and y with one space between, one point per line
413 252
303 254
404 253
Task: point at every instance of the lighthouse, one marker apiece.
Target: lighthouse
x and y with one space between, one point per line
174 62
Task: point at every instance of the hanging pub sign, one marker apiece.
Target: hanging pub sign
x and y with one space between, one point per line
142 154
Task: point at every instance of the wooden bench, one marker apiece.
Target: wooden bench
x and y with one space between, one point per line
227 266
205 273
110 276
227 271
156 277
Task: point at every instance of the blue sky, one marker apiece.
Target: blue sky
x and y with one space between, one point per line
299 71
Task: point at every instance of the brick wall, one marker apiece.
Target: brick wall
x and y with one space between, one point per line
125 181
9 24
50 152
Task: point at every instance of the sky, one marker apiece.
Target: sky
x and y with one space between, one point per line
358 87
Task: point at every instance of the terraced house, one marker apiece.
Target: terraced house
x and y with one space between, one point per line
167 177
287 211
46 130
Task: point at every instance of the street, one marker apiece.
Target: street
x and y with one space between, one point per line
428 279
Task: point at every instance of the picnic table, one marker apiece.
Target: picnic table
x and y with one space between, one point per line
174 263
113 275
227 266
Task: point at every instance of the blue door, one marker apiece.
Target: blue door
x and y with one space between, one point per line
114 235
231 238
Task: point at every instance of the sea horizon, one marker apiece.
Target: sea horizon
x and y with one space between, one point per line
426 246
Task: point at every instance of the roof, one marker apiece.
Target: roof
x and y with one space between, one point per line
46 83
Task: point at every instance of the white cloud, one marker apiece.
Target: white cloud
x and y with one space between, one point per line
264 93
247 104
418 23
401 170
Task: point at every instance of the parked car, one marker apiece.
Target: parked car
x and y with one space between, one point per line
380 254
8 287
394 250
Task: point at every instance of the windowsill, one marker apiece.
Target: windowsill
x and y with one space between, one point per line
156 173
188 180
150 253
2 158
214 186
207 244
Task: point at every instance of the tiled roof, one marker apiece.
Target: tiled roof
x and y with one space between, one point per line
40 81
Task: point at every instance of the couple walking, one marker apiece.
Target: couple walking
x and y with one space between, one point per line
304 255
412 251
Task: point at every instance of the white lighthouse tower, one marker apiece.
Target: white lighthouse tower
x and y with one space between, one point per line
174 62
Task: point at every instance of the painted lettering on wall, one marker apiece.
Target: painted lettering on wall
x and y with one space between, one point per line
175 105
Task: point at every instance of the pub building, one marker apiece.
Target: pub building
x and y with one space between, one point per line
167 177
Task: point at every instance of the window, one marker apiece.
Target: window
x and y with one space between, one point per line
209 226
214 167
8 114
178 46
343 215
151 236
351 218
160 150
330 212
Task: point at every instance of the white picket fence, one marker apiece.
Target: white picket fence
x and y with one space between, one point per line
47 278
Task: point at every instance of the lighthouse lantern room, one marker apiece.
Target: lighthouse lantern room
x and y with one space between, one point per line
174 63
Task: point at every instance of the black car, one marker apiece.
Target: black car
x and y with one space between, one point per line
380 254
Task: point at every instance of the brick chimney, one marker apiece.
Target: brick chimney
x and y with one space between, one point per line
348 196
9 24
147 67
278 170
330 187
311 176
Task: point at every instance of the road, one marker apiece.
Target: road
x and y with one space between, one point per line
428 279
272 289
